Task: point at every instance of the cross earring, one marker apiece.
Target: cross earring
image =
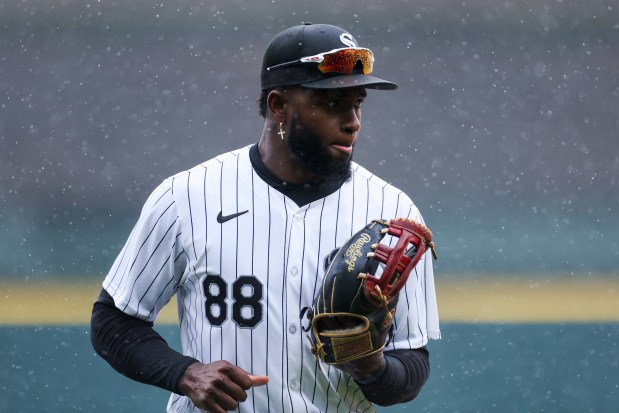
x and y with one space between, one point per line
281 131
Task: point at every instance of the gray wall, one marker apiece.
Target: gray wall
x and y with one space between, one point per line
504 130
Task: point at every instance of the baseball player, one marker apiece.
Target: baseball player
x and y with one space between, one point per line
241 241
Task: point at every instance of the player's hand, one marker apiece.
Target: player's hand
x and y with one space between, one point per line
219 386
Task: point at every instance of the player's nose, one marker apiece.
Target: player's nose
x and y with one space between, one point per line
351 122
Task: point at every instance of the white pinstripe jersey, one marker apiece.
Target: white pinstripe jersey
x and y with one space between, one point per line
241 284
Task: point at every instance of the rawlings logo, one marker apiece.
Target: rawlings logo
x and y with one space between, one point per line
354 251
347 347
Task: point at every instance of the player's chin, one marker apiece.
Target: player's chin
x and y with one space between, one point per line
339 170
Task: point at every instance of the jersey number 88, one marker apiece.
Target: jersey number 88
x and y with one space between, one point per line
247 300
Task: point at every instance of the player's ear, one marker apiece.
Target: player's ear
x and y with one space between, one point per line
277 105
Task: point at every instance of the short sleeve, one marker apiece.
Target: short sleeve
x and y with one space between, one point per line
151 265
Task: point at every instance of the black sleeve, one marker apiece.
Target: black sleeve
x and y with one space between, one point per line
401 378
132 347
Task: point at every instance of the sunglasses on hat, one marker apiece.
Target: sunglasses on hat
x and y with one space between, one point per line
341 61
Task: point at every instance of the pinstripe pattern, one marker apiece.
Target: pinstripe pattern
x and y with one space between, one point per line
216 270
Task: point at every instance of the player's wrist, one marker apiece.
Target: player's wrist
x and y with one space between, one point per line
366 369
374 376
187 379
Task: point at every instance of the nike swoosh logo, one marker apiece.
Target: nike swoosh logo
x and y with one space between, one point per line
223 218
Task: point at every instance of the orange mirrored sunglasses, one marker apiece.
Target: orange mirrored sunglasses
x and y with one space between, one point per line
337 61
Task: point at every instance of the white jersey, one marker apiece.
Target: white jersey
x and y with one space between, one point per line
243 260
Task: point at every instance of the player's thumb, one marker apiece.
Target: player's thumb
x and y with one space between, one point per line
258 380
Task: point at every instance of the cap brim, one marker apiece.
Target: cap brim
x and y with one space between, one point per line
350 81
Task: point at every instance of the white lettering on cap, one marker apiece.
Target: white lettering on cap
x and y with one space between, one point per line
346 38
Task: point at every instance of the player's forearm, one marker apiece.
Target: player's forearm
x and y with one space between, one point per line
133 348
400 380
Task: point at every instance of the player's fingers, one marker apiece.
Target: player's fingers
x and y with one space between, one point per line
246 380
217 400
217 385
258 380
235 390
227 402
218 407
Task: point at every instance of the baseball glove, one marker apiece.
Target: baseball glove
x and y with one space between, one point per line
352 314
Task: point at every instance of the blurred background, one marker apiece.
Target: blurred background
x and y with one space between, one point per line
504 131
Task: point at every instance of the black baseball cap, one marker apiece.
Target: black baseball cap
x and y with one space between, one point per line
281 65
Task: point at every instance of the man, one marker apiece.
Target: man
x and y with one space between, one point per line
241 241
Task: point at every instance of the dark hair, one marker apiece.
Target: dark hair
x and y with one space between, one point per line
262 103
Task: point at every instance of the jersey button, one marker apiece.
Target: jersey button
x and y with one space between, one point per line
292 329
294 271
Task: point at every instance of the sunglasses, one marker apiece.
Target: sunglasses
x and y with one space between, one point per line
337 61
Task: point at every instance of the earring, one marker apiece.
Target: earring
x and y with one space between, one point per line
281 131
